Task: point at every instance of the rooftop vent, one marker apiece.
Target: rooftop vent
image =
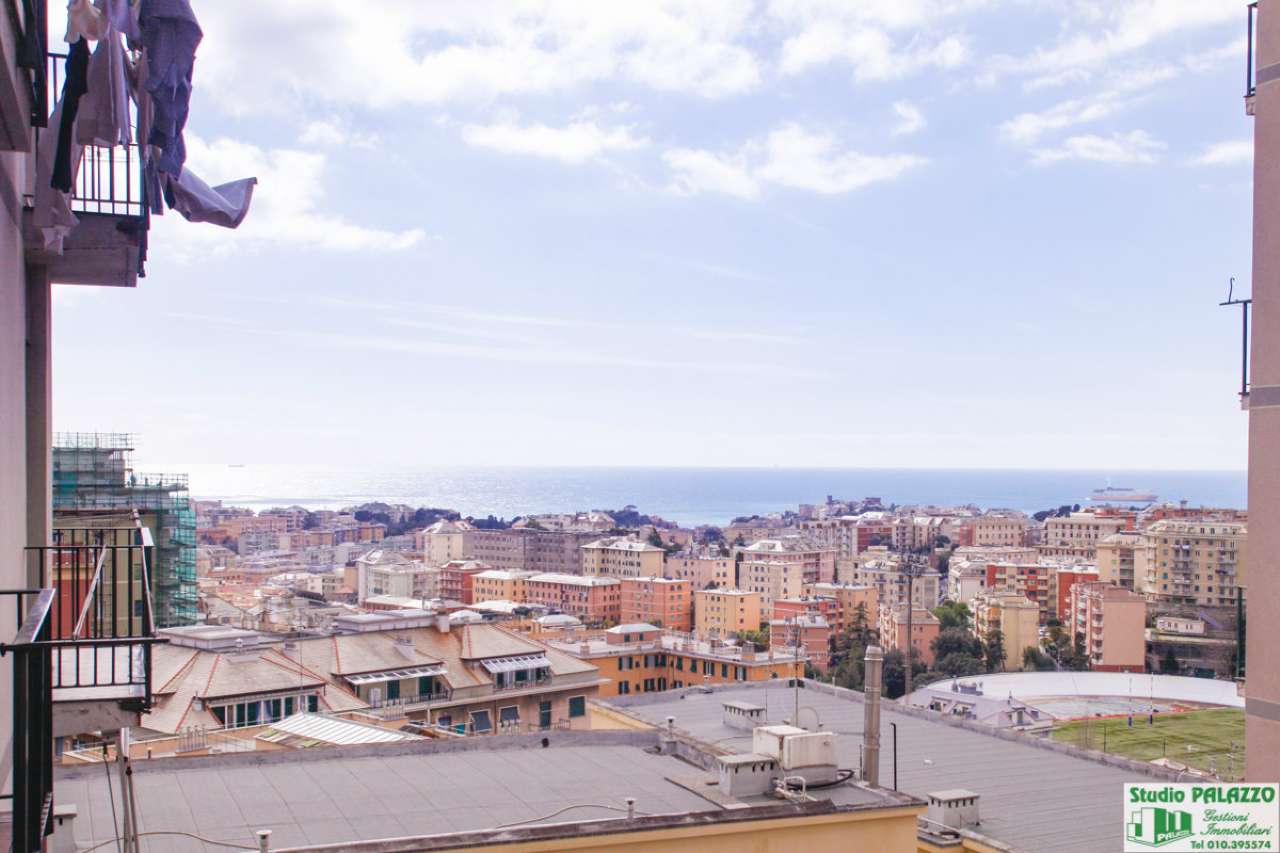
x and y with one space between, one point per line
955 808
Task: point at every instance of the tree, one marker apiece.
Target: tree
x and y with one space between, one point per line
953 614
655 538
995 650
859 630
1169 663
895 672
758 638
952 641
1034 659
959 664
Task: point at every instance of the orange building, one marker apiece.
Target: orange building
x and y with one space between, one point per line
665 602
722 613
809 632
1113 621
457 579
924 629
594 600
640 658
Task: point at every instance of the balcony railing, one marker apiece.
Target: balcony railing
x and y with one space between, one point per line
101 622
32 653
1250 72
110 179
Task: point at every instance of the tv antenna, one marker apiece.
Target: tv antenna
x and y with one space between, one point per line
1244 334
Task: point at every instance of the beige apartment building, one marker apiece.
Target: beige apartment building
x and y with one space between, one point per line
1015 616
885 575
773 579
924 630
500 585
995 554
1113 622
445 541
1082 530
391 573
1122 559
848 598
721 613
622 557
817 562
998 530
701 571
1195 562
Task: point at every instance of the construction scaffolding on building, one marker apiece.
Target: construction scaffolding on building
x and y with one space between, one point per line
95 485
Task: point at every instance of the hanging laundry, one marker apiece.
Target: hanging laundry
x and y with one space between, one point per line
52 214
104 110
73 88
170 35
225 205
84 20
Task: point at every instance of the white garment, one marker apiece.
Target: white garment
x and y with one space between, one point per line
225 205
84 20
103 118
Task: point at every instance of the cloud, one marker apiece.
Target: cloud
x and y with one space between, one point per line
286 203
879 39
789 156
402 52
575 143
695 171
335 133
1230 153
1135 147
910 118
1124 92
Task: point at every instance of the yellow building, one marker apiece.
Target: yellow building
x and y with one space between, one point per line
1195 562
1122 559
849 597
773 579
701 571
1016 616
720 613
499 585
620 557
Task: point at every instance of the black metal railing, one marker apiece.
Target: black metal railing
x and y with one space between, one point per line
29 21
102 622
1250 72
32 654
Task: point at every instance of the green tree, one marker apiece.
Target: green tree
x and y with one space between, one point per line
895 672
758 638
959 664
995 650
1169 663
953 614
951 641
1034 659
655 539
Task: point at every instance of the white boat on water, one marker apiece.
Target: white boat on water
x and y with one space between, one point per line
1122 494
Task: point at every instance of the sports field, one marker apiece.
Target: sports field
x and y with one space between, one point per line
1209 740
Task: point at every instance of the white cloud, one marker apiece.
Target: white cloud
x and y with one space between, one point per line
1230 153
790 156
1122 93
286 205
805 160
335 133
910 118
576 142
695 171
1135 147
397 52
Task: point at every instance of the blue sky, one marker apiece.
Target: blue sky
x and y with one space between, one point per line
886 233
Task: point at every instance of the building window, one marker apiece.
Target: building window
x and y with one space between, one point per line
577 706
508 716
480 722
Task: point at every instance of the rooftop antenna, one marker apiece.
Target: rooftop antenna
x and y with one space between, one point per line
1244 334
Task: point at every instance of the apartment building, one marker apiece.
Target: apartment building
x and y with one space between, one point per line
622 557
1083 530
997 530
817 562
773 579
1036 581
1122 559
641 658
1113 621
722 613
457 579
382 572
594 600
891 583
664 602
965 579
1064 578
701 570
808 635
499 585
1195 562
1015 616
995 554
849 599
924 629
445 541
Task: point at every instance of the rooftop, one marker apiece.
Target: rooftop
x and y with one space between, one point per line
932 756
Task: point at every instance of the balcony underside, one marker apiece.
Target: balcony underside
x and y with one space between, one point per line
102 250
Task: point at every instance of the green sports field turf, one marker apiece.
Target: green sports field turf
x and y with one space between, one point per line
1209 740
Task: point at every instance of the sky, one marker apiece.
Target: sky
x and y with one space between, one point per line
891 233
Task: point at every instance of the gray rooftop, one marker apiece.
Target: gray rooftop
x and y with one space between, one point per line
934 756
357 793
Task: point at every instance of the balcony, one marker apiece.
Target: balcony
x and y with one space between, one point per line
109 245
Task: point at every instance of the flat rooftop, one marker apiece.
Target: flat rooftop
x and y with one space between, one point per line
1076 792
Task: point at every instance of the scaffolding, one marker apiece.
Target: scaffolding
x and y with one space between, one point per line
94 484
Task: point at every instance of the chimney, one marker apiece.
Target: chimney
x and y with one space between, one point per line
874 672
442 623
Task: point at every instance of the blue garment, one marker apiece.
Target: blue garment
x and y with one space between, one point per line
73 88
170 35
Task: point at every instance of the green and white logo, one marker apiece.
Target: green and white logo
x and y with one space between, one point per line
1201 816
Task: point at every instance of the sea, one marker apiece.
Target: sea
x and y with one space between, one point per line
690 496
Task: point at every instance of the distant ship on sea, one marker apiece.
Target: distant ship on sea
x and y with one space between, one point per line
1122 494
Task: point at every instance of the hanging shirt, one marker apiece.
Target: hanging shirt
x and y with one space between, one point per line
170 35
225 205
73 88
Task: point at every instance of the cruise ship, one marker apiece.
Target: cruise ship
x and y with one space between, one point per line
1122 494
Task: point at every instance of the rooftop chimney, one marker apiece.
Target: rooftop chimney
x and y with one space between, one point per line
442 623
874 671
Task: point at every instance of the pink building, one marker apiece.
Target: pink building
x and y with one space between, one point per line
667 602
808 632
924 628
1113 621
594 600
